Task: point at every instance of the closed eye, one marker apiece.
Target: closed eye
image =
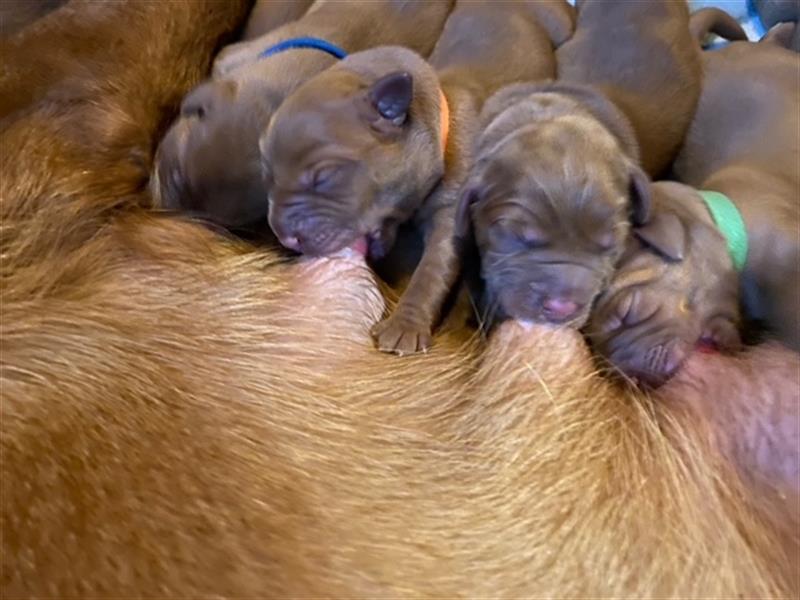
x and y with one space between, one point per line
511 236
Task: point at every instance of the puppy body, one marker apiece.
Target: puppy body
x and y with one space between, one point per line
267 15
388 166
677 284
184 416
644 58
209 161
744 143
554 193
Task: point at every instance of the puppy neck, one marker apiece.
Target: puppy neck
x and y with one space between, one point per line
730 223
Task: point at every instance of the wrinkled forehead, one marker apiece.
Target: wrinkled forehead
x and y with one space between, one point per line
555 164
321 112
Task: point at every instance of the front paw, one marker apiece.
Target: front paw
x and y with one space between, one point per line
721 334
401 335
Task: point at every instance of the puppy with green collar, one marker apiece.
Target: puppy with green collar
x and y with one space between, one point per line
678 283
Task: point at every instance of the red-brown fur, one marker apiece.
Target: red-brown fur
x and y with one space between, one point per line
184 416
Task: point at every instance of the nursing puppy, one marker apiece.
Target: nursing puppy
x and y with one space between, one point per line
557 181
188 417
208 163
359 150
677 283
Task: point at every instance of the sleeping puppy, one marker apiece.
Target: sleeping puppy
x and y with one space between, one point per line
643 57
675 285
677 282
554 188
209 163
558 182
384 137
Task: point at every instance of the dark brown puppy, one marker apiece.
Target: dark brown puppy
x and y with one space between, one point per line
680 284
209 161
558 182
643 57
356 151
271 14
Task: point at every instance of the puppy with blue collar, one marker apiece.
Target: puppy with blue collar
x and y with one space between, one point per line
208 163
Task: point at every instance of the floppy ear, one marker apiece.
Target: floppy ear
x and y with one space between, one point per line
391 97
665 234
470 194
640 195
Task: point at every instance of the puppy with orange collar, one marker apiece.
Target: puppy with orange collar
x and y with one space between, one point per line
384 137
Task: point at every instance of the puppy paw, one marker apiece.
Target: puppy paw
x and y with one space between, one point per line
401 335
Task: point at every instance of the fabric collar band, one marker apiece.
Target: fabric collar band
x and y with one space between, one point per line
444 120
730 223
304 42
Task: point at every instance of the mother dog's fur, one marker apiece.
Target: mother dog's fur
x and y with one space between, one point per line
185 416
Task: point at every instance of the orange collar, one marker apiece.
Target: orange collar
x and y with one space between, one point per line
444 120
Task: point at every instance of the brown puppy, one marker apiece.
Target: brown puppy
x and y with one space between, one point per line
642 56
267 15
554 187
357 151
675 285
209 162
557 181
679 285
184 417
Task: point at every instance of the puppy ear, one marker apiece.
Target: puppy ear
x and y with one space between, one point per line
391 97
470 194
665 234
640 195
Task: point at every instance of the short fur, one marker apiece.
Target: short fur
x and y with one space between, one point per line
550 198
209 162
644 58
677 284
185 417
674 286
339 170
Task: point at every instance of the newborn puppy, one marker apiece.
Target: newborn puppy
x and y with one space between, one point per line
643 57
675 285
558 179
209 163
744 143
679 284
551 196
384 136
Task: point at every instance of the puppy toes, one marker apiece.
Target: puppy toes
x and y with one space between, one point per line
401 336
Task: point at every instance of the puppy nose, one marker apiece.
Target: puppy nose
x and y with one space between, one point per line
292 242
559 308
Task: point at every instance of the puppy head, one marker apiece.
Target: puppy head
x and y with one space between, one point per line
550 202
208 162
353 152
675 286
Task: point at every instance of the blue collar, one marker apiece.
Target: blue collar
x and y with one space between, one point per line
304 42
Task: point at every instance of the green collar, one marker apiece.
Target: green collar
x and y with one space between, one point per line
730 223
